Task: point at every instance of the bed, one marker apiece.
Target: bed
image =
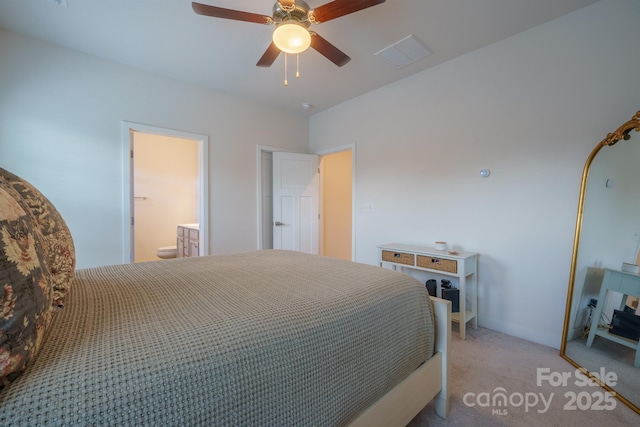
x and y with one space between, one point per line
257 338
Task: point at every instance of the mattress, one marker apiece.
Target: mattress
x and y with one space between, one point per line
273 338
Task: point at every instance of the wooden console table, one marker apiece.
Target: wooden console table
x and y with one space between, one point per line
462 265
626 284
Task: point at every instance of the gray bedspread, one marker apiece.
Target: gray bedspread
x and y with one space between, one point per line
271 338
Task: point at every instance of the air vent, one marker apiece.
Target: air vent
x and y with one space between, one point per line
62 3
407 51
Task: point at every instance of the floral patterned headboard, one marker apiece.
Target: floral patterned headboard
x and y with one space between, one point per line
37 262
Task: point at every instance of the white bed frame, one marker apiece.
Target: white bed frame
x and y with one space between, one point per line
429 381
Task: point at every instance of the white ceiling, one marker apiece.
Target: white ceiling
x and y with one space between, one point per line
166 37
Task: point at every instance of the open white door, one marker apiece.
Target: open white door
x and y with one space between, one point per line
296 195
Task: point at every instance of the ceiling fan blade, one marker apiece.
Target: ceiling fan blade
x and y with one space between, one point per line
269 56
219 12
331 52
338 8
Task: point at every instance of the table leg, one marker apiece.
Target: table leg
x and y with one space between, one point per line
597 313
462 297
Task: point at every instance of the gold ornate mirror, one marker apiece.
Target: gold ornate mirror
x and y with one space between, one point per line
601 289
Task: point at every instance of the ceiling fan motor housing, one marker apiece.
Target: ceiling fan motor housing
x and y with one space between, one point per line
298 13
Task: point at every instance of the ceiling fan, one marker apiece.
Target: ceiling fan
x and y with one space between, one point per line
292 19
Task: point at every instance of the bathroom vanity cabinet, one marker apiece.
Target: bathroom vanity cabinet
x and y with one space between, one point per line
188 240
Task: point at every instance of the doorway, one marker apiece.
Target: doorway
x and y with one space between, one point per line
337 190
166 193
336 211
165 185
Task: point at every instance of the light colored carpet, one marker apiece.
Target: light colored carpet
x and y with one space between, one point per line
616 357
488 360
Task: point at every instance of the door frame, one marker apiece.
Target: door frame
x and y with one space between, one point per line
127 182
261 148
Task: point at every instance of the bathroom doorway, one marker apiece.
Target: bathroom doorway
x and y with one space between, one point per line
166 187
166 193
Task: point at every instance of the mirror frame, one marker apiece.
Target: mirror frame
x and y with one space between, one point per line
623 132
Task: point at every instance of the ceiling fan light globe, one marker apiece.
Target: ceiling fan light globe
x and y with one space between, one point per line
291 37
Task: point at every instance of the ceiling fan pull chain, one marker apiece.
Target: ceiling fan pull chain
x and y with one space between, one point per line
297 65
286 83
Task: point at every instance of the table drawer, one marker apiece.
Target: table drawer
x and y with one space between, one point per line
398 257
434 263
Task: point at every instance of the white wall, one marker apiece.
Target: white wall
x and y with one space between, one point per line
530 109
61 114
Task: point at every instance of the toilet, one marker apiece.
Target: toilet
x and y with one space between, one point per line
167 252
